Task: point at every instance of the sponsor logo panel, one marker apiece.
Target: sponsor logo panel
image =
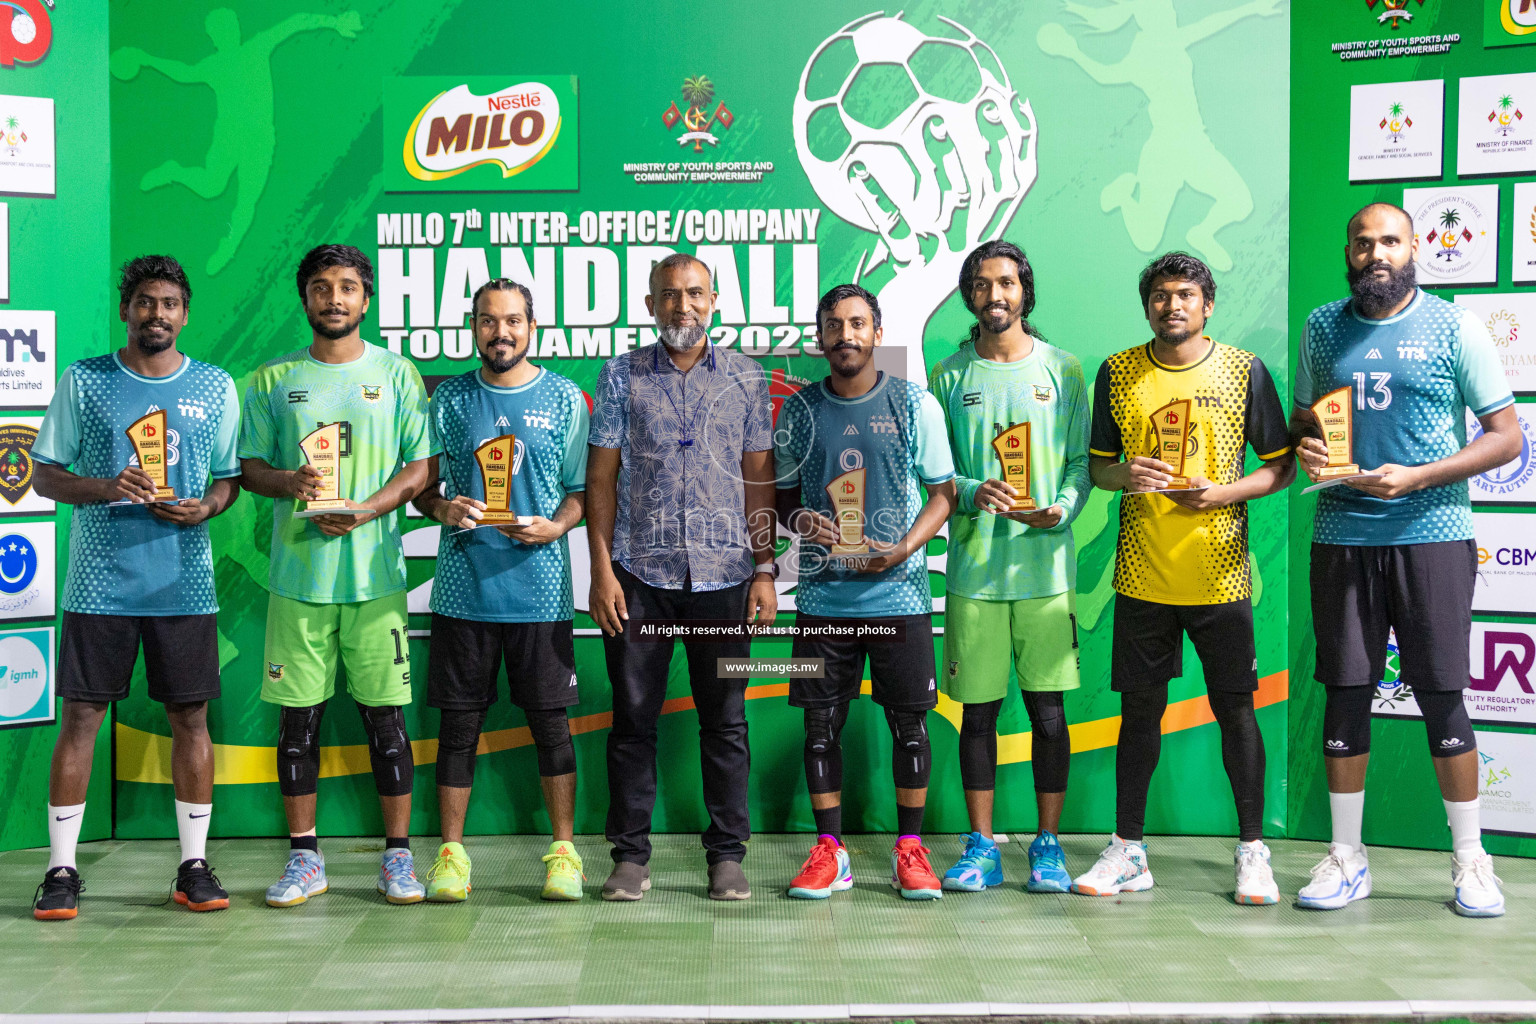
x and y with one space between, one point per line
1496 124
26 677
1395 130
1506 784
1513 483
1506 564
26 145
1458 233
28 358
1511 321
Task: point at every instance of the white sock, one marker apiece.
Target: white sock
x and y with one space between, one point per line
1348 811
1466 832
64 834
192 828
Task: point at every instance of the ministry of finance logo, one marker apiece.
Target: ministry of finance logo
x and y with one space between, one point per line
696 118
1504 115
1396 11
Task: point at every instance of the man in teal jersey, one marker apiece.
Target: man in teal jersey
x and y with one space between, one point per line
862 463
1396 548
337 580
1011 575
140 569
502 592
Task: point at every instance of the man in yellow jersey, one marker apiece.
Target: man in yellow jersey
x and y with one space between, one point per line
1171 420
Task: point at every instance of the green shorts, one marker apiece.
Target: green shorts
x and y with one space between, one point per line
1040 635
304 641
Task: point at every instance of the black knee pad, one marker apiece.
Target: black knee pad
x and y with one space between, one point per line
552 742
458 736
1347 721
911 754
298 749
1445 719
1051 744
389 750
978 745
1231 709
823 749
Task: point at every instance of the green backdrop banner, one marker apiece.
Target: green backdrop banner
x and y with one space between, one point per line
54 280
1370 106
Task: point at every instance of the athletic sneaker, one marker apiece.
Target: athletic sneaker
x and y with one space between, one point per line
1338 880
1255 878
58 897
198 888
1122 867
980 865
1477 887
397 877
1047 865
824 872
303 877
448 877
911 872
563 879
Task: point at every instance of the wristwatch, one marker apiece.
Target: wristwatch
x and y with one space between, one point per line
768 568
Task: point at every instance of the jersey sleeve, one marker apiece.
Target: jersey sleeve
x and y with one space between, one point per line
930 454
1304 391
758 435
1104 440
1076 484
258 428
417 441
1483 385
573 468
224 462
58 439
786 461
610 396
1265 428
965 487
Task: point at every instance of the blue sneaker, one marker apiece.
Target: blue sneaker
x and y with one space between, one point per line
303 877
397 877
1339 879
1478 891
980 865
1047 865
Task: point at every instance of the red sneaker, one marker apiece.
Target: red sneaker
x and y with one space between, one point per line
911 872
824 872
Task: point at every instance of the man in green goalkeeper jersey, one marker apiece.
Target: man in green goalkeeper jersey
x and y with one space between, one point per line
337 580
1011 574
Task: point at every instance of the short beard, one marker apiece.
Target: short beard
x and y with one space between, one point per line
852 371
333 333
682 339
997 323
500 366
154 346
1377 296
1173 335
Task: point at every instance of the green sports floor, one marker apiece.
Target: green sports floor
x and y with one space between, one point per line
1181 949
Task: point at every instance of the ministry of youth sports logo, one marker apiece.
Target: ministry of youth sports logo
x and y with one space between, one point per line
1395 13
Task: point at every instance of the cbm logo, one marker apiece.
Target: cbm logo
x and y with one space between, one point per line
32 351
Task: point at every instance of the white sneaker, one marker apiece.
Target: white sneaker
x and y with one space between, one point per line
1255 879
1338 880
1122 867
1477 887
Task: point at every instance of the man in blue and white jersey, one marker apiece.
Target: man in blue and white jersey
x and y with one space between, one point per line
1394 548
502 593
140 569
862 460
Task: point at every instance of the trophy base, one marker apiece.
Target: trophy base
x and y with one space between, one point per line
501 517
1329 472
329 507
163 496
1022 505
845 550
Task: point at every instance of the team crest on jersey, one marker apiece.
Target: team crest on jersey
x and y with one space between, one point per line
372 392
274 671
1042 393
954 668
16 441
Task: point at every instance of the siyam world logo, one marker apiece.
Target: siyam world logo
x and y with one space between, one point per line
523 134
26 32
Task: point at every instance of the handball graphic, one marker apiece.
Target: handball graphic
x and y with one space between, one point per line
23 28
899 132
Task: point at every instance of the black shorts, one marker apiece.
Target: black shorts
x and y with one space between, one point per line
901 669
97 654
466 655
1424 591
1148 648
